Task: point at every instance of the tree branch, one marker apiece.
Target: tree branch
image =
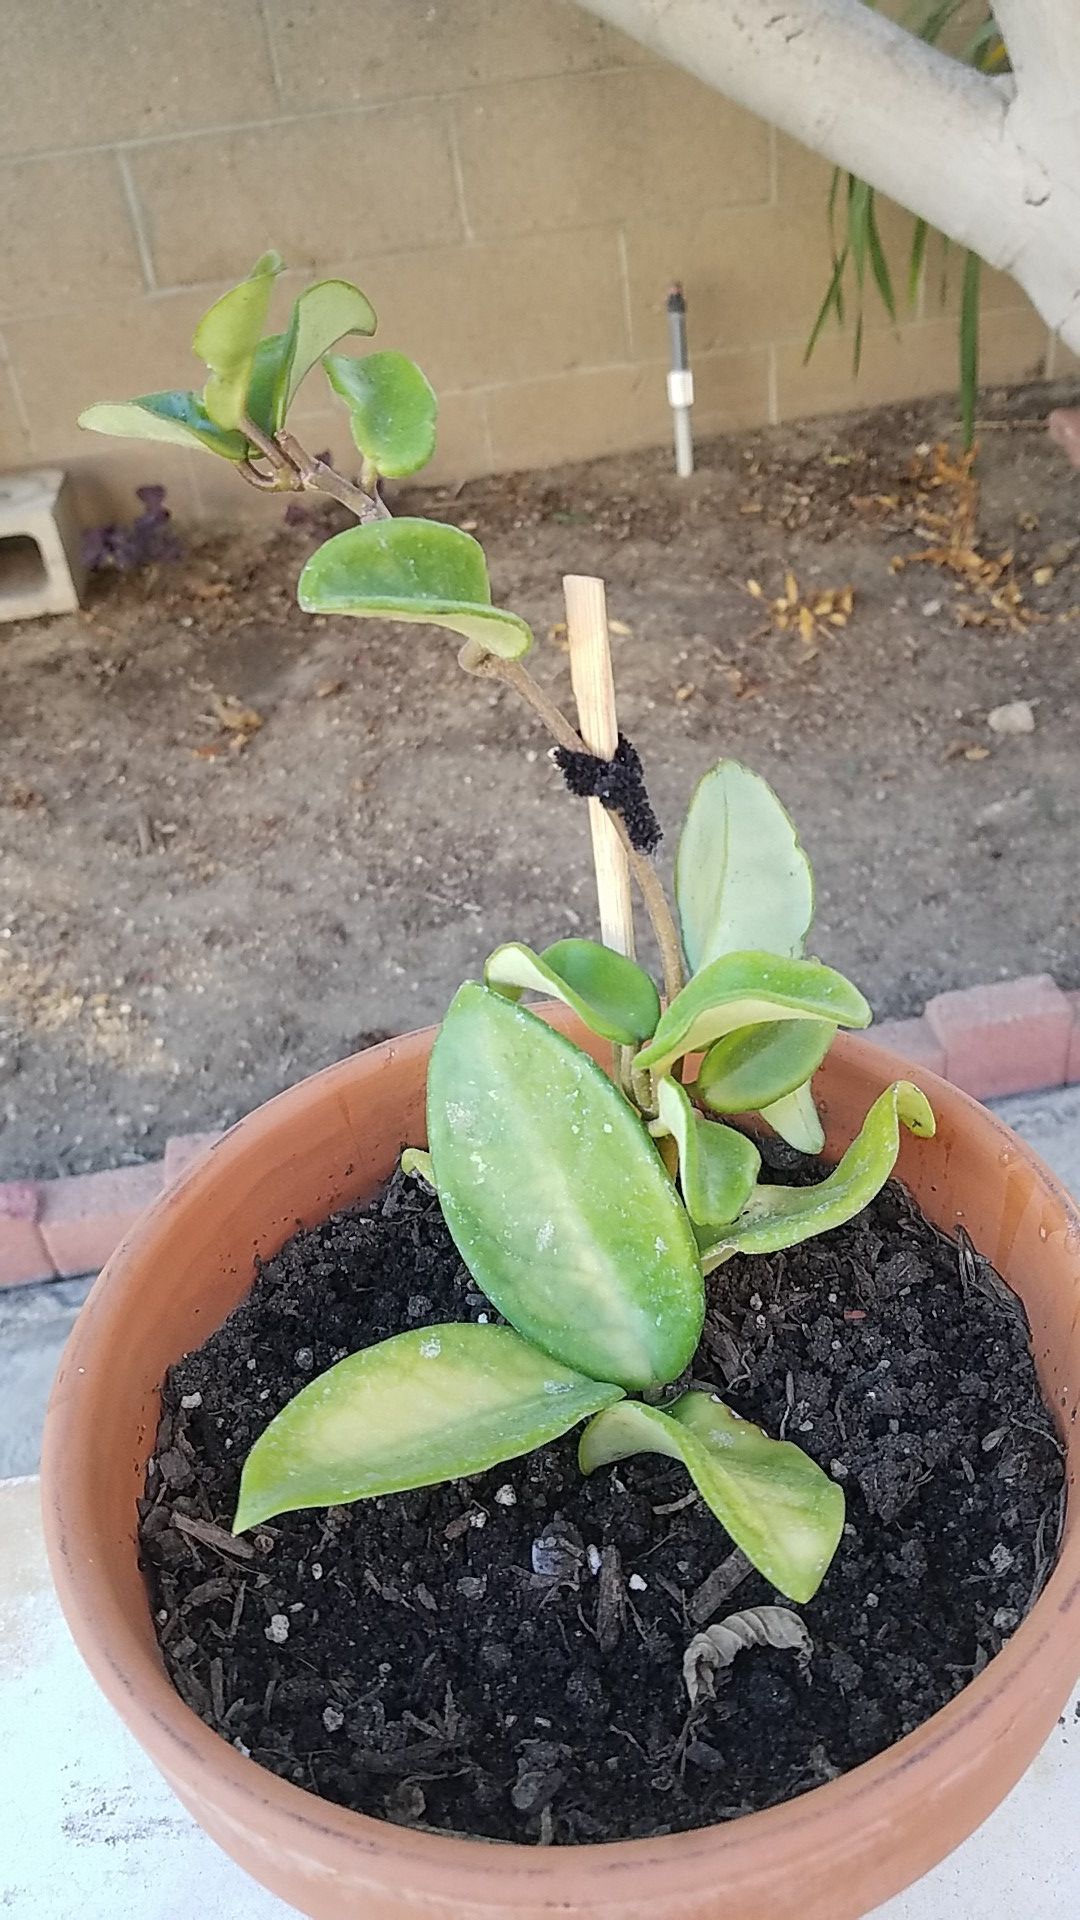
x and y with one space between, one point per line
991 161
847 82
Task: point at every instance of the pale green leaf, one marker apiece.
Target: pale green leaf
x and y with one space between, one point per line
416 570
613 995
177 418
776 1216
748 1069
557 1200
742 880
227 336
784 1513
744 990
415 1160
430 1405
717 1166
392 409
795 1118
321 316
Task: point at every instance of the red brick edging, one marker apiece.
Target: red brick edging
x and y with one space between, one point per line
1014 1036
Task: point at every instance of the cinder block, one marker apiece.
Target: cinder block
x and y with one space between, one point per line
84 1218
181 1152
40 568
269 195
1072 1064
913 1040
1011 1037
24 1256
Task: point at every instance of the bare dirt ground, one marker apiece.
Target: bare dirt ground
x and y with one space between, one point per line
191 918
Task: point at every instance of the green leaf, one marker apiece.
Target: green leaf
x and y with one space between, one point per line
227 336
179 418
919 236
392 409
879 264
743 990
557 1200
742 880
321 316
417 570
613 995
717 1166
754 1066
415 1160
795 1119
430 1405
969 345
785 1514
776 1217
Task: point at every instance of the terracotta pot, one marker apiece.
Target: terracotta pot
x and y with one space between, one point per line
833 1853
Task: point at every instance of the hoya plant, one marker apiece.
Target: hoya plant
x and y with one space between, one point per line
589 1207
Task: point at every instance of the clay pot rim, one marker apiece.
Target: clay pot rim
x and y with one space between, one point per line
494 1873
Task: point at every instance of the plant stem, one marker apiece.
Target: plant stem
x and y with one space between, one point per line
513 674
326 479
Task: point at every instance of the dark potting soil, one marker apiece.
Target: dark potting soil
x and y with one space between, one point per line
503 1656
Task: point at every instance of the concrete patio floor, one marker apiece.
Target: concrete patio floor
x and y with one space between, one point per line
87 1826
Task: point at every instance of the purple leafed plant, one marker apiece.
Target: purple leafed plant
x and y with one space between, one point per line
148 538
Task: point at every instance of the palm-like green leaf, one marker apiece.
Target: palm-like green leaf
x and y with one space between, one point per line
179 419
776 1217
556 1197
777 1505
743 990
717 1166
433 1404
613 995
227 336
413 570
392 409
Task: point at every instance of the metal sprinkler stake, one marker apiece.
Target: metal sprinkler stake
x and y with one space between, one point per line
680 383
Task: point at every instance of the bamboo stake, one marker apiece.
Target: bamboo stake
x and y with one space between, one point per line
594 695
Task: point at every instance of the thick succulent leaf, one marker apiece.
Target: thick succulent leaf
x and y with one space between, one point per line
613 995
717 1166
795 1118
179 418
429 1405
412 570
776 1503
742 880
744 990
415 1160
392 409
557 1200
227 336
776 1217
321 316
750 1068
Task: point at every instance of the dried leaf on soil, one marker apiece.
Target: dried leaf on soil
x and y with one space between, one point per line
709 1653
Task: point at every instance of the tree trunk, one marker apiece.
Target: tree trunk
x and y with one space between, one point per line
993 162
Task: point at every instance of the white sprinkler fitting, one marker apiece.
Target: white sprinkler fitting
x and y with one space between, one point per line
680 384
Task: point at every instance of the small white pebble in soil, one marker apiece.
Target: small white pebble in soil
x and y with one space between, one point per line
838 1469
637 1584
505 1496
251 1365
806 1426
539 1721
832 1299
1001 1559
478 1519
592 1555
190 1400
278 1630
871 1599
481 1319
304 1358
755 1302
316 1570
333 1719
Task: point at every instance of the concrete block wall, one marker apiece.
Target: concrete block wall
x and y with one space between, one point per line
512 183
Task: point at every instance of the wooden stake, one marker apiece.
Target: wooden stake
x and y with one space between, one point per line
594 694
